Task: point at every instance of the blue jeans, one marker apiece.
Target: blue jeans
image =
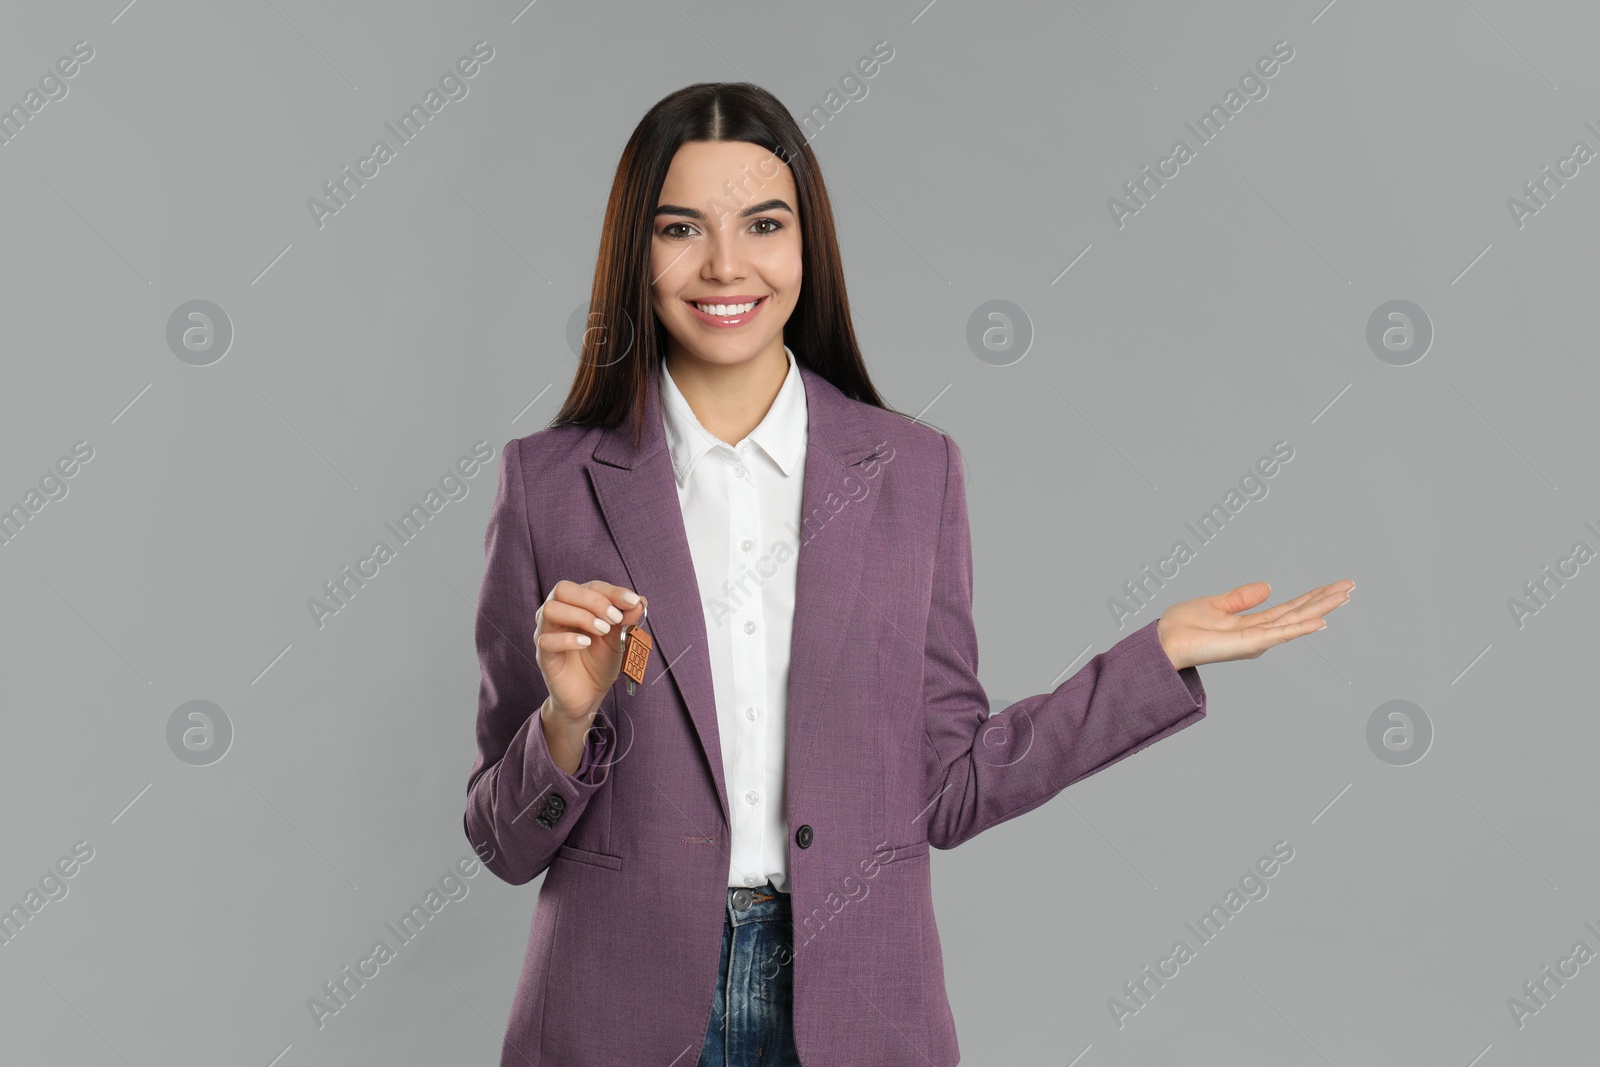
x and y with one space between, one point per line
751 1018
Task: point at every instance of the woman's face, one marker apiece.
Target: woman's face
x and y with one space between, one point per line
726 232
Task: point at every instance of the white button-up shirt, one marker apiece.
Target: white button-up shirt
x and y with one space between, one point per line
741 509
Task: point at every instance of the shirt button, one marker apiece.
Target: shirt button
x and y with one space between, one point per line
752 796
750 627
747 544
751 879
750 713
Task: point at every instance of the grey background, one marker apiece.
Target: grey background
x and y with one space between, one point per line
1229 314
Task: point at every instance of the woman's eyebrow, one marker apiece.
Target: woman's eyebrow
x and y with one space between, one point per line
754 209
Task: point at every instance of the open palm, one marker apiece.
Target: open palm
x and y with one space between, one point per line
1209 629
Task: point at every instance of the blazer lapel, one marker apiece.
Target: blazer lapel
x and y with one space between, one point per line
639 498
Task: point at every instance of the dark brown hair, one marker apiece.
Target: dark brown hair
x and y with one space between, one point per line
613 371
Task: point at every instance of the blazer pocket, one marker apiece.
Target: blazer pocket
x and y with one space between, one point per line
583 855
896 853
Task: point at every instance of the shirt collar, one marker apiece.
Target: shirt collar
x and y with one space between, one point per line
781 433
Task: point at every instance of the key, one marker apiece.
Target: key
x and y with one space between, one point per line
636 645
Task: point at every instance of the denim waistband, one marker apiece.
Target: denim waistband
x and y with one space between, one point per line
747 904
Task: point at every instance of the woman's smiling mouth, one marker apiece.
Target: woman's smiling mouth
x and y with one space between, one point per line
726 313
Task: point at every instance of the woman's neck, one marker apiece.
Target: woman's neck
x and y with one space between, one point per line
730 400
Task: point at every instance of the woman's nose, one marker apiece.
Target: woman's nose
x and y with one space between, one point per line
725 259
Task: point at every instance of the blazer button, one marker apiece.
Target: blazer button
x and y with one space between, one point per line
802 836
554 805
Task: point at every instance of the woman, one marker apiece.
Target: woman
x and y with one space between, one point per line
736 853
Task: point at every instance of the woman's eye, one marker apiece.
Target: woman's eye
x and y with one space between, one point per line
676 230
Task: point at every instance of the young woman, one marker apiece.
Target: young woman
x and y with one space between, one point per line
735 851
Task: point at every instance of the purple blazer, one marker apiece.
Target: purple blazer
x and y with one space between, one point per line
890 747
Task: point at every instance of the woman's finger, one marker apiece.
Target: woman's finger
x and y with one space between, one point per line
1282 612
579 618
564 641
1250 643
1268 636
1241 597
587 596
628 602
1310 606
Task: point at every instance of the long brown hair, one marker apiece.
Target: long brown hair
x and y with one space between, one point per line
611 384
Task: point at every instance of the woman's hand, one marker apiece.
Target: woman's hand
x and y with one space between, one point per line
1210 629
578 642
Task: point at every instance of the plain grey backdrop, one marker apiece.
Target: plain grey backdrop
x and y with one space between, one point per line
1148 357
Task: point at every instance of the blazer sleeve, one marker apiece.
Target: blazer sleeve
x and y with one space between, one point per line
982 769
520 805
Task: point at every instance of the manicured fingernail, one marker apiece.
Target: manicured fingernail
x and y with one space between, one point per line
601 625
583 639
612 613
631 597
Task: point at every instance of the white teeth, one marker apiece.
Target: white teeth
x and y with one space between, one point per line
723 311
